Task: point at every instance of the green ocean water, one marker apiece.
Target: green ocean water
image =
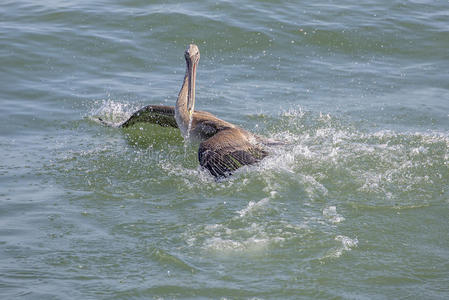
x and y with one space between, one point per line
355 206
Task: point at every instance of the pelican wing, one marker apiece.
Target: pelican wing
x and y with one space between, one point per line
227 151
156 114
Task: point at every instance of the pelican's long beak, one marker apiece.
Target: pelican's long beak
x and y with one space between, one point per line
191 93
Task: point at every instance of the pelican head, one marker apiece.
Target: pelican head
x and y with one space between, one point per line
192 56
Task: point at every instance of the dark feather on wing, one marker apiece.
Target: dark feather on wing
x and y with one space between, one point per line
227 151
156 114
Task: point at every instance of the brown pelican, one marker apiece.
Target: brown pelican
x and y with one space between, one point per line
224 147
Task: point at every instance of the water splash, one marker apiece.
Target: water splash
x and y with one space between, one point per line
187 137
111 111
325 157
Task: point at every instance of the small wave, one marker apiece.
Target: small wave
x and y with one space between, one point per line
346 244
170 259
225 245
254 206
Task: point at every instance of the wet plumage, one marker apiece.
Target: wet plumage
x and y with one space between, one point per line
224 147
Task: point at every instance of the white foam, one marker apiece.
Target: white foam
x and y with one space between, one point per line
346 245
237 237
225 245
312 186
419 150
253 206
330 213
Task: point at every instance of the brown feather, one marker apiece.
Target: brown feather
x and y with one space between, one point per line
229 150
224 147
